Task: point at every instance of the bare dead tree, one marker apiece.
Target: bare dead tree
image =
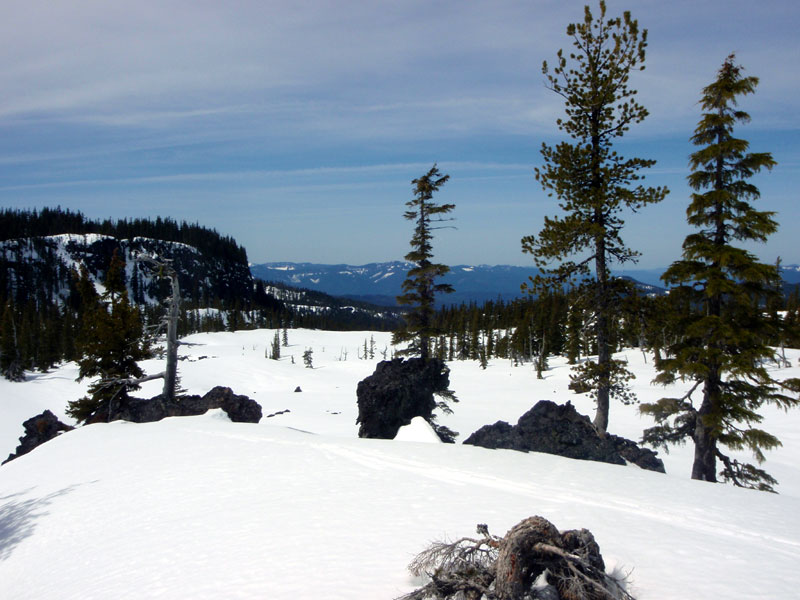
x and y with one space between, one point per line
170 374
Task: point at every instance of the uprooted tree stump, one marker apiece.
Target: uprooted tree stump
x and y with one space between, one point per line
534 561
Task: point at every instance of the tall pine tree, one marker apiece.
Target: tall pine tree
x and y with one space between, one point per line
723 348
11 366
420 287
592 182
114 344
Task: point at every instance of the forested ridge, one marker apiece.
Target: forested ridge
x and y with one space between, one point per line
50 260
54 221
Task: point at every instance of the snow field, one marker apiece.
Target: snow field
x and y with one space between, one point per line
299 507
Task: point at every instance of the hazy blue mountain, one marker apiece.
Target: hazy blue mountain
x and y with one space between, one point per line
380 282
790 274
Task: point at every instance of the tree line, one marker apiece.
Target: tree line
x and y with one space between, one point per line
16 224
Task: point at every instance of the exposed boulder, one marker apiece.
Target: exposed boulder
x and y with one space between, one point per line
240 409
560 429
398 391
38 430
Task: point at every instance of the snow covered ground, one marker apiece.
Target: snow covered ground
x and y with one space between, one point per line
299 507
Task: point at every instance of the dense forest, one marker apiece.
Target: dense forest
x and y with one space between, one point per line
54 221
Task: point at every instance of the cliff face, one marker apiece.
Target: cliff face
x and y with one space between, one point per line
39 268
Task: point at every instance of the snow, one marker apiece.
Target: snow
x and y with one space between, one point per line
298 507
419 430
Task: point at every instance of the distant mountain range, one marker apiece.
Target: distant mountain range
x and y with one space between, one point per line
380 283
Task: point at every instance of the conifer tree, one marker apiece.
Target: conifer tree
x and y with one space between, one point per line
593 183
11 366
275 349
113 345
115 277
723 350
574 331
419 287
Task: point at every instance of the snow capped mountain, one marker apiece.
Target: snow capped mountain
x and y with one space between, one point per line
790 274
381 282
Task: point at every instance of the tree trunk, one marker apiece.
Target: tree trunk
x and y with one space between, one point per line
171 372
601 275
704 467
603 346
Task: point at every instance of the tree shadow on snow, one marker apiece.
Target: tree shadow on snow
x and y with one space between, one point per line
18 517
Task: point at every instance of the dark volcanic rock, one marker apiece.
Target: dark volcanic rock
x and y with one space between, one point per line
38 430
560 429
398 391
240 409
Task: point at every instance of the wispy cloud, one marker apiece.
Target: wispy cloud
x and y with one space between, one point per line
127 99
278 176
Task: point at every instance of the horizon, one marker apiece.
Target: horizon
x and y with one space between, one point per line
297 129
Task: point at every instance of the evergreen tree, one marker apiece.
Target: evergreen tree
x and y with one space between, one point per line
574 333
275 350
592 181
723 350
115 277
10 360
419 287
113 344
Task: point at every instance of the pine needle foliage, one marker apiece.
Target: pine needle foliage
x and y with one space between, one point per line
113 344
723 347
420 287
591 180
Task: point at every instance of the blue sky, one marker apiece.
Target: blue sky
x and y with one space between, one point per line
297 127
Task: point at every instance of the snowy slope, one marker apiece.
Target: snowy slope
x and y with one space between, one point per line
299 507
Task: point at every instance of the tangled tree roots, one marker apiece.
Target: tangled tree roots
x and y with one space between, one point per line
532 562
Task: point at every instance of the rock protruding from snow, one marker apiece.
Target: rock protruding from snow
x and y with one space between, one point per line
398 391
419 430
239 409
561 430
38 430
